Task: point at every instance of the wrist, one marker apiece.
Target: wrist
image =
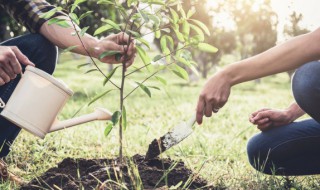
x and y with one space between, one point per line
231 75
91 43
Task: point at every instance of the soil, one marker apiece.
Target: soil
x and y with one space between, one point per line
155 148
102 174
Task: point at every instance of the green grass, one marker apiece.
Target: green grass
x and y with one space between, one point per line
219 145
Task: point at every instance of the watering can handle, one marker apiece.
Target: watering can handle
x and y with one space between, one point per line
2 103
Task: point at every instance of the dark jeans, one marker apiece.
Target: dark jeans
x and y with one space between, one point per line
44 55
293 149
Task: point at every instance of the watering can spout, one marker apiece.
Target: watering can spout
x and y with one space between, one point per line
98 114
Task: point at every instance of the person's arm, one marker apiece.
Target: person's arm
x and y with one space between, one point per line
287 56
66 37
267 118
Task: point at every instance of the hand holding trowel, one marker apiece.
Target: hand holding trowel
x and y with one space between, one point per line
173 137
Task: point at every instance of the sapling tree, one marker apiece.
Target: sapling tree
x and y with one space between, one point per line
163 19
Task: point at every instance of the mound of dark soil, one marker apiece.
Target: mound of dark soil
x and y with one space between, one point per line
74 174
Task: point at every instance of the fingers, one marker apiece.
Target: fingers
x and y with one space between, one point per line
123 38
260 110
4 76
200 108
208 110
21 57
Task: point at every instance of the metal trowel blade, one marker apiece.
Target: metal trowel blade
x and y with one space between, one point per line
171 138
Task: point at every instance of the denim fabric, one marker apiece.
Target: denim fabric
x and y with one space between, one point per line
293 149
44 55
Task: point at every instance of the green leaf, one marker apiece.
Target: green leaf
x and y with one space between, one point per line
69 49
124 118
82 65
202 26
171 43
113 24
60 22
156 2
84 30
144 88
183 13
144 16
157 58
74 18
207 48
197 30
99 96
179 35
107 2
115 117
175 16
85 14
108 129
156 20
75 4
154 87
106 80
144 42
157 33
162 80
91 70
163 43
49 14
190 13
180 72
185 28
108 53
134 33
102 29
143 55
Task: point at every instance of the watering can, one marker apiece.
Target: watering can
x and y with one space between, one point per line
38 99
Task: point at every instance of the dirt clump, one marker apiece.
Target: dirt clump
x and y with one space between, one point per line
102 174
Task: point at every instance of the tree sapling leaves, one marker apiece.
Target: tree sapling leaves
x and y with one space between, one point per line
207 48
84 30
106 80
115 117
144 88
202 26
102 29
162 80
143 55
82 65
99 96
108 129
108 53
91 70
113 24
180 72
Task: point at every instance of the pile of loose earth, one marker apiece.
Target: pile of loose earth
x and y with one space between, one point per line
74 174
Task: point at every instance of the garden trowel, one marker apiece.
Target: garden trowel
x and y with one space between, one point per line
173 137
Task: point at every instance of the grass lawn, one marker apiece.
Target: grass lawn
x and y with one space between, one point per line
217 149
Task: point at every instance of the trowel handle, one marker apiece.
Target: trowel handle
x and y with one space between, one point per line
192 120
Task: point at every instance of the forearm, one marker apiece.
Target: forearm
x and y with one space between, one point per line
294 111
66 37
287 56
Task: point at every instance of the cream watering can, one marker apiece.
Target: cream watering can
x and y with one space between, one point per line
38 99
